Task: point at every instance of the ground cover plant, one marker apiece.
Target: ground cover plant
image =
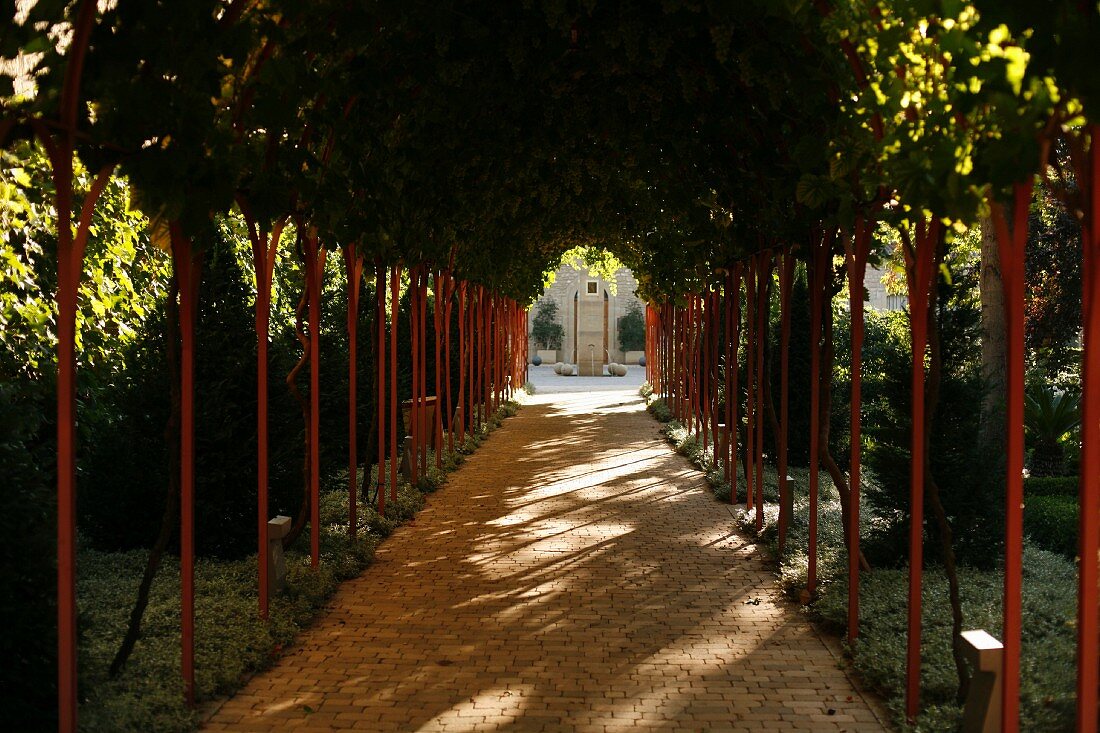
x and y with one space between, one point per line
878 657
232 642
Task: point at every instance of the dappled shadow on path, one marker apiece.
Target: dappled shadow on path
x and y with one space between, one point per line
573 575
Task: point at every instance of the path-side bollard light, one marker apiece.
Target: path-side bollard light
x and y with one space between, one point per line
985 654
277 529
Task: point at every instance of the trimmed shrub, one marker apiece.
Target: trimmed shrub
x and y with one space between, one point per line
660 410
1051 486
1051 523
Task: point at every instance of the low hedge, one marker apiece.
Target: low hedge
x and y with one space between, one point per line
1051 486
1051 523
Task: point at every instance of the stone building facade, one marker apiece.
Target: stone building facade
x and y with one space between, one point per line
589 313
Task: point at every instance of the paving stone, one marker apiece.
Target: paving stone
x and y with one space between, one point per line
574 575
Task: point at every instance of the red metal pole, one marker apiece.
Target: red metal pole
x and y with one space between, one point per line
735 388
353 263
424 434
472 336
264 248
750 382
449 290
728 294
70 257
1011 250
380 366
437 320
315 271
678 354
821 249
414 356
694 354
857 249
1088 598
690 352
395 300
786 278
703 347
698 347
918 271
714 309
763 292
461 423
186 264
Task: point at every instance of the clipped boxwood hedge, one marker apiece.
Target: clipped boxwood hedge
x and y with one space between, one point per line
1051 486
1051 523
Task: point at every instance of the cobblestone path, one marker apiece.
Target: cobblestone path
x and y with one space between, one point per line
573 575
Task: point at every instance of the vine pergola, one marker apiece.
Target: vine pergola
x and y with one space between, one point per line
465 146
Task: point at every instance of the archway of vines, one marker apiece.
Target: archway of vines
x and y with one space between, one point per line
459 149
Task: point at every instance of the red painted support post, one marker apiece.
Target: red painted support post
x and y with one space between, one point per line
857 248
187 268
477 328
704 358
678 359
353 264
380 374
714 311
422 414
1011 250
698 378
735 388
728 468
462 411
786 278
70 258
821 249
750 384
315 272
448 294
264 248
414 356
919 270
763 311
471 357
395 300
1088 595
437 321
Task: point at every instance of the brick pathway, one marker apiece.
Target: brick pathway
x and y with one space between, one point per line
574 575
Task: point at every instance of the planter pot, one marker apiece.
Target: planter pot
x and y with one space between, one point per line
634 357
548 356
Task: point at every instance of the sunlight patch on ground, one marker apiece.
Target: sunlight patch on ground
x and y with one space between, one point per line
507 704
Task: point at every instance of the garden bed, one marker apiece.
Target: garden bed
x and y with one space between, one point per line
878 657
231 641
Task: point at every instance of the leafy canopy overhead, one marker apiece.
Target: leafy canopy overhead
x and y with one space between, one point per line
678 136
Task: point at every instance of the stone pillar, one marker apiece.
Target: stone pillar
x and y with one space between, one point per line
277 529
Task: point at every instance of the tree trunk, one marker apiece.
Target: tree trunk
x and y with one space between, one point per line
991 434
932 491
170 517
